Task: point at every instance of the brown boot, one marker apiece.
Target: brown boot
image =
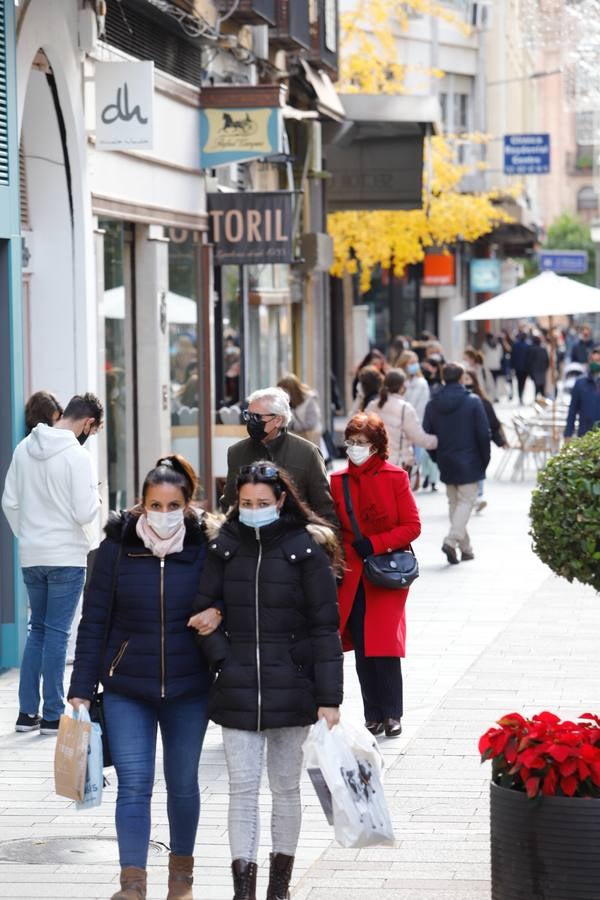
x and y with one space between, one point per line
244 879
133 884
180 877
280 875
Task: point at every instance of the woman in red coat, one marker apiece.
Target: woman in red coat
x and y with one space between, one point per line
372 620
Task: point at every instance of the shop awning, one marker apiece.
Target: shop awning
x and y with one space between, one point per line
376 155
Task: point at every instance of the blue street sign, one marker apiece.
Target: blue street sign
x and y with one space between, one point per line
526 154
564 262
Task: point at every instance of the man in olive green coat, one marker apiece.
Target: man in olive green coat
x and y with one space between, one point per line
267 418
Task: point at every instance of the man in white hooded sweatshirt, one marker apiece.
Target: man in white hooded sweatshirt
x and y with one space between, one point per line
50 495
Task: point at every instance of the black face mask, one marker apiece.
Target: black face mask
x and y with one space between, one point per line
82 438
256 430
469 388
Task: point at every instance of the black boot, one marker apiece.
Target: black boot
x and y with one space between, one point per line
244 879
280 875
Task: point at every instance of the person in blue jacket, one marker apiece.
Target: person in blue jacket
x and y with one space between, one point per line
458 419
133 639
585 399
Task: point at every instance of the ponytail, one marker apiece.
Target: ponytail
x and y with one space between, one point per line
175 470
383 396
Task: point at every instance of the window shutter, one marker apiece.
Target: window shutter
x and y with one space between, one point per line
3 99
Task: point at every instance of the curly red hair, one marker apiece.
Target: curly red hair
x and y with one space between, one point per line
371 427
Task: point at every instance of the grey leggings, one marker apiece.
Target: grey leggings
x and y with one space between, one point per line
244 753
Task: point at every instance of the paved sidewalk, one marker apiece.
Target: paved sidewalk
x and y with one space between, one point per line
485 637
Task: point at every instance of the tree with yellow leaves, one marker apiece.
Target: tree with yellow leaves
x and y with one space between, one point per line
397 238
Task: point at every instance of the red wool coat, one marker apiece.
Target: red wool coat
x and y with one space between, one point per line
387 514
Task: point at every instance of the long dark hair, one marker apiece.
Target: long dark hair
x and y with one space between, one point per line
175 470
477 389
371 380
392 384
293 507
41 408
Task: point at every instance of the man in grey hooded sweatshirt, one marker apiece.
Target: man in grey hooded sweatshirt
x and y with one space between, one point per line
50 495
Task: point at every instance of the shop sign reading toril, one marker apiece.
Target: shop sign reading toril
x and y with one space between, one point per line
251 228
125 106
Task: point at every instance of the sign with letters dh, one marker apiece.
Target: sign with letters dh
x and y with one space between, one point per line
251 228
125 106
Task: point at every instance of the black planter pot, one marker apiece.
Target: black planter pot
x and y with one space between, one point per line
544 849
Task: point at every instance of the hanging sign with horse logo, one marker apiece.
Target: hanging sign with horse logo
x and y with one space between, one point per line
239 124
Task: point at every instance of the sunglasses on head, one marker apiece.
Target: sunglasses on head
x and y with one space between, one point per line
265 471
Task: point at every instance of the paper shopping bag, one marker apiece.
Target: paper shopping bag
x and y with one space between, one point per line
71 756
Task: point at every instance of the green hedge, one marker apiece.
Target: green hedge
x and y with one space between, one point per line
565 511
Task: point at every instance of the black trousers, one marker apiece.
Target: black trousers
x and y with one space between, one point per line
380 677
521 379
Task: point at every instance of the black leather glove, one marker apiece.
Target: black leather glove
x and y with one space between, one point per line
364 547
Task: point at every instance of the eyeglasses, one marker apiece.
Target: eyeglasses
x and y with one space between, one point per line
248 416
262 469
351 443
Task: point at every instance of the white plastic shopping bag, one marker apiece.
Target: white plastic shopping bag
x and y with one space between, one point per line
94 775
348 761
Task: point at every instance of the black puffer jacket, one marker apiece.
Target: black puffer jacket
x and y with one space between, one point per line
279 644
151 653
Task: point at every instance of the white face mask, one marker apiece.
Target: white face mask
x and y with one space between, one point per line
359 454
165 524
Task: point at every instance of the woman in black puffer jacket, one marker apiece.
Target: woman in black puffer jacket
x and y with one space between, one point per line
269 626
133 638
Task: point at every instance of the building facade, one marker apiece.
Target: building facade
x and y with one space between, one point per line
122 293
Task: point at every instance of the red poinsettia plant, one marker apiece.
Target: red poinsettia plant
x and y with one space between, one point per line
544 756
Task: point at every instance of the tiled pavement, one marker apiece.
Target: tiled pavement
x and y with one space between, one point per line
485 637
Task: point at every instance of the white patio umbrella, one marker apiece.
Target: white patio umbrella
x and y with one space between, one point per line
545 295
180 310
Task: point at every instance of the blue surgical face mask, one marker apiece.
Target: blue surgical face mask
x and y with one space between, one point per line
413 368
258 518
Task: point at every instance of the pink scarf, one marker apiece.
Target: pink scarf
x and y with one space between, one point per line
160 547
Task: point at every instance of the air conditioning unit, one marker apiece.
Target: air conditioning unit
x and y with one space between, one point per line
480 15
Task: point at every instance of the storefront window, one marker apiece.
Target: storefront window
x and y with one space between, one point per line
270 341
114 309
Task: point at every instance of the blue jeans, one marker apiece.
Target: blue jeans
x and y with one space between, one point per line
132 725
53 594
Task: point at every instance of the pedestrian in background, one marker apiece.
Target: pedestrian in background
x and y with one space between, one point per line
268 623
306 412
42 407
519 361
581 349
460 423
417 390
134 639
471 383
50 496
493 354
370 381
584 408
538 363
373 358
507 344
401 422
267 421
372 619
